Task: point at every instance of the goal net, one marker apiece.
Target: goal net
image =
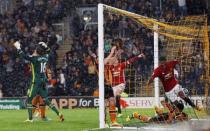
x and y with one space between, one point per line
183 38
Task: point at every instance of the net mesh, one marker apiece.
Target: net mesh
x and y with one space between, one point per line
185 37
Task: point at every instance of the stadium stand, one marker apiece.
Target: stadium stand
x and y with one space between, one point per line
32 21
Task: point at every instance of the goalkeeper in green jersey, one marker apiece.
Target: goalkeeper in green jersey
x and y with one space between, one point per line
38 62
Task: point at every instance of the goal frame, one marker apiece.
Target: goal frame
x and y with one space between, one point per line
101 62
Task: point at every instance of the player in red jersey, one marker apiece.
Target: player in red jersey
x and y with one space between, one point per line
118 76
118 73
172 88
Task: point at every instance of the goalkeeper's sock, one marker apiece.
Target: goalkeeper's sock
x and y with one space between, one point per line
52 106
30 114
118 104
30 107
186 99
54 109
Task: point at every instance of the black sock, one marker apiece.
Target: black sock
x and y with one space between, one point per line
118 104
186 99
30 107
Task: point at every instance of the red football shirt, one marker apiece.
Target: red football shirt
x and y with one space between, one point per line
166 74
118 71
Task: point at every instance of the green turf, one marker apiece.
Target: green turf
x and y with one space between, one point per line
75 120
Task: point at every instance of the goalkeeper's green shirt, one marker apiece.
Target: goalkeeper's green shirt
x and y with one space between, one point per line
38 66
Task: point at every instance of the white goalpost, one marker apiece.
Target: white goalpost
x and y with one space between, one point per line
101 63
101 66
156 62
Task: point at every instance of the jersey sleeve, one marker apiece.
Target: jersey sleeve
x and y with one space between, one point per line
130 61
155 73
174 63
24 56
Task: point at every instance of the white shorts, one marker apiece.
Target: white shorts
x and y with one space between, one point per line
173 94
120 87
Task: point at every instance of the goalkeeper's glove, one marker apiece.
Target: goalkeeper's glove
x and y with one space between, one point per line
43 44
17 45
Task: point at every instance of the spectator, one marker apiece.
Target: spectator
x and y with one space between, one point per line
31 21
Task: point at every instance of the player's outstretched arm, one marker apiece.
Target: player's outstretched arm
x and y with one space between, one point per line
154 75
133 59
17 45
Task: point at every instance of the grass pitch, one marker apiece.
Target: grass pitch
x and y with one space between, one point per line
75 120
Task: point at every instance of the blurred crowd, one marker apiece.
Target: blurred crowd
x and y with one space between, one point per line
32 21
29 23
135 38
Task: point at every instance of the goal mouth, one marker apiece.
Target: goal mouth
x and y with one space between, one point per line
182 39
